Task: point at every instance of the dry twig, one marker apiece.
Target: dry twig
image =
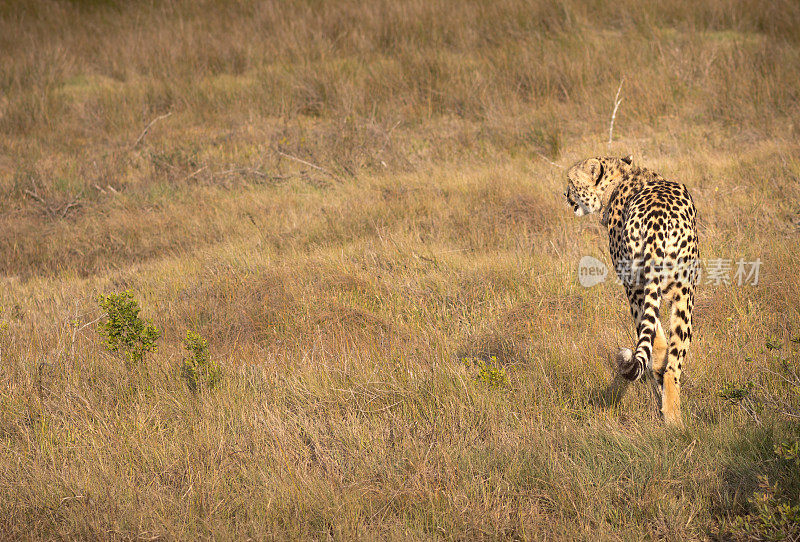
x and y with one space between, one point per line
309 164
147 128
195 173
546 159
72 204
617 101
35 196
60 211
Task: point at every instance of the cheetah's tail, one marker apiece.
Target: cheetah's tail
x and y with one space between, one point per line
634 367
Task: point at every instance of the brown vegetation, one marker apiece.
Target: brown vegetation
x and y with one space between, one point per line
351 201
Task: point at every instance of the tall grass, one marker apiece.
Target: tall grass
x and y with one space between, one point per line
352 203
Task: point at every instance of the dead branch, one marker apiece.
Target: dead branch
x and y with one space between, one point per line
35 196
309 164
546 159
39 199
70 205
617 101
147 128
56 212
195 173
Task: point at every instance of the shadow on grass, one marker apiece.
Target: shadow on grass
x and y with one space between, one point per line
493 347
611 395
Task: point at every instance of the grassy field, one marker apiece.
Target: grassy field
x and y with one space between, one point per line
359 207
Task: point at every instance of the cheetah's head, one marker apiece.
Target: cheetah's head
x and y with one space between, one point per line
583 186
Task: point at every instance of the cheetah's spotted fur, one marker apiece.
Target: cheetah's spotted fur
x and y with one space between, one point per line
653 244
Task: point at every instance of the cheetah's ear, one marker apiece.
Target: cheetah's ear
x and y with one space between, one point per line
628 159
593 169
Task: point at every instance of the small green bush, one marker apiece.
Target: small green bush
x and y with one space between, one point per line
736 392
489 372
199 370
775 516
124 332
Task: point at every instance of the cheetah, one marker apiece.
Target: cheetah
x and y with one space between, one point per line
653 244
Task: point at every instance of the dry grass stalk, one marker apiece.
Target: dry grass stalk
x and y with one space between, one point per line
617 101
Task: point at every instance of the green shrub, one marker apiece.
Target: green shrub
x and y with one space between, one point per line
199 370
775 516
124 332
489 372
736 392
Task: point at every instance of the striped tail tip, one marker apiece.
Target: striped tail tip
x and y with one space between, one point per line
628 366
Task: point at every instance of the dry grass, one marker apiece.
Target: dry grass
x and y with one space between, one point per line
342 299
